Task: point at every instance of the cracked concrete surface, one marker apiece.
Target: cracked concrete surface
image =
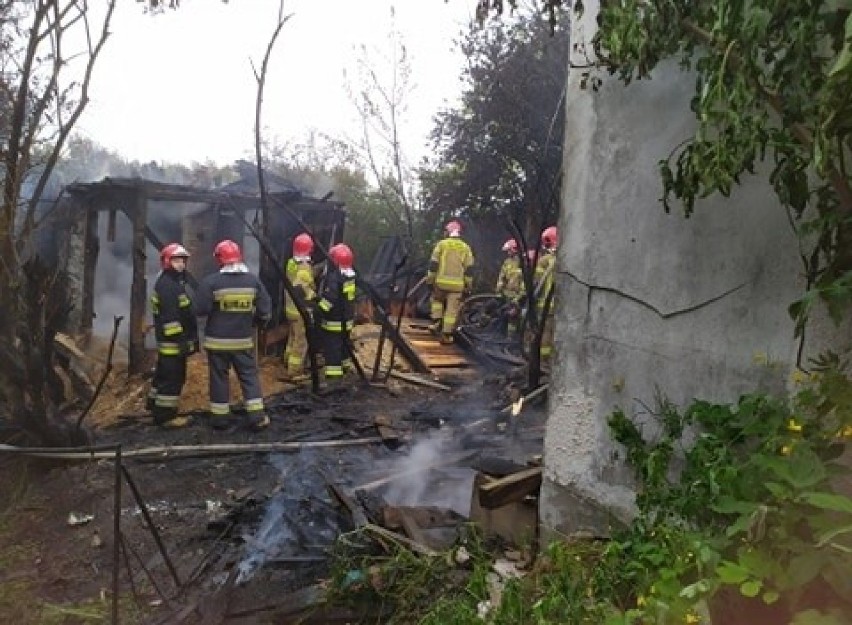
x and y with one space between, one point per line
649 300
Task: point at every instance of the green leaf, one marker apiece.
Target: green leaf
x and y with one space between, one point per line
729 505
731 572
770 596
830 535
844 59
804 568
694 590
751 587
828 501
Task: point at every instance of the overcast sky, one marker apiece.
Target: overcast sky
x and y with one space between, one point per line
179 87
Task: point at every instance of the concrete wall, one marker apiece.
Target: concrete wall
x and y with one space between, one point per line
646 299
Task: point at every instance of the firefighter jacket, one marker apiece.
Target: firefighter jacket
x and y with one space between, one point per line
544 270
451 266
510 282
234 301
301 276
174 317
336 307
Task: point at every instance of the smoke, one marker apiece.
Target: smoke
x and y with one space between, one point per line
290 523
271 537
423 481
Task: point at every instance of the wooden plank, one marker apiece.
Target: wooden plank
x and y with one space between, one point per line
413 545
447 361
419 380
516 523
397 338
359 517
511 488
426 517
138 289
412 530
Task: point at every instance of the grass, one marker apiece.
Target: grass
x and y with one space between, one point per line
20 601
446 589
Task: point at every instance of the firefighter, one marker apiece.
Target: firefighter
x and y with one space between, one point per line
451 277
176 331
544 270
234 301
336 312
300 273
510 284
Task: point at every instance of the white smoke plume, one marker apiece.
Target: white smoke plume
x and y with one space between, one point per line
424 482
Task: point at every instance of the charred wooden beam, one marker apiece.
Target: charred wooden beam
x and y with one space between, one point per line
111 221
138 287
405 348
511 488
90 263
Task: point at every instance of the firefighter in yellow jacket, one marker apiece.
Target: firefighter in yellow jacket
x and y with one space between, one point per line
544 270
451 277
510 284
300 273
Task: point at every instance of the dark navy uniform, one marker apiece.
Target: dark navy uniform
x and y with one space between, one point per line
336 313
234 301
176 331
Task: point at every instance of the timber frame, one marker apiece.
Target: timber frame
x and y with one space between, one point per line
199 218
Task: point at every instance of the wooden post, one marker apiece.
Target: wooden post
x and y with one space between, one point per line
138 287
75 216
90 263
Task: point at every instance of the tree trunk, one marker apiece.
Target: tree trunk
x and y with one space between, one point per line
33 308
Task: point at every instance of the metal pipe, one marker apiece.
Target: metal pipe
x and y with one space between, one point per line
151 525
116 534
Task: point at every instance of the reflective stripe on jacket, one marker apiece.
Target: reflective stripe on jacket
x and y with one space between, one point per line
233 303
336 307
510 282
544 269
174 314
451 266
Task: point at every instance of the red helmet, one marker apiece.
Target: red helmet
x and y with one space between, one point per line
550 237
172 250
453 227
342 256
303 245
227 252
511 246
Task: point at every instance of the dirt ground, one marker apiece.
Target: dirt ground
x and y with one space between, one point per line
259 524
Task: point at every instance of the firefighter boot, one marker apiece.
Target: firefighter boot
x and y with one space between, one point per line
169 418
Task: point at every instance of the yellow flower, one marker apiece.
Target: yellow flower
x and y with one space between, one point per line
692 617
786 449
793 425
799 377
640 601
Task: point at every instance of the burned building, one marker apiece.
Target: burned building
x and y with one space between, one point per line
142 215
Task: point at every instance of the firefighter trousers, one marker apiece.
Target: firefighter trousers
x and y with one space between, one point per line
244 363
166 386
445 309
297 347
335 350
